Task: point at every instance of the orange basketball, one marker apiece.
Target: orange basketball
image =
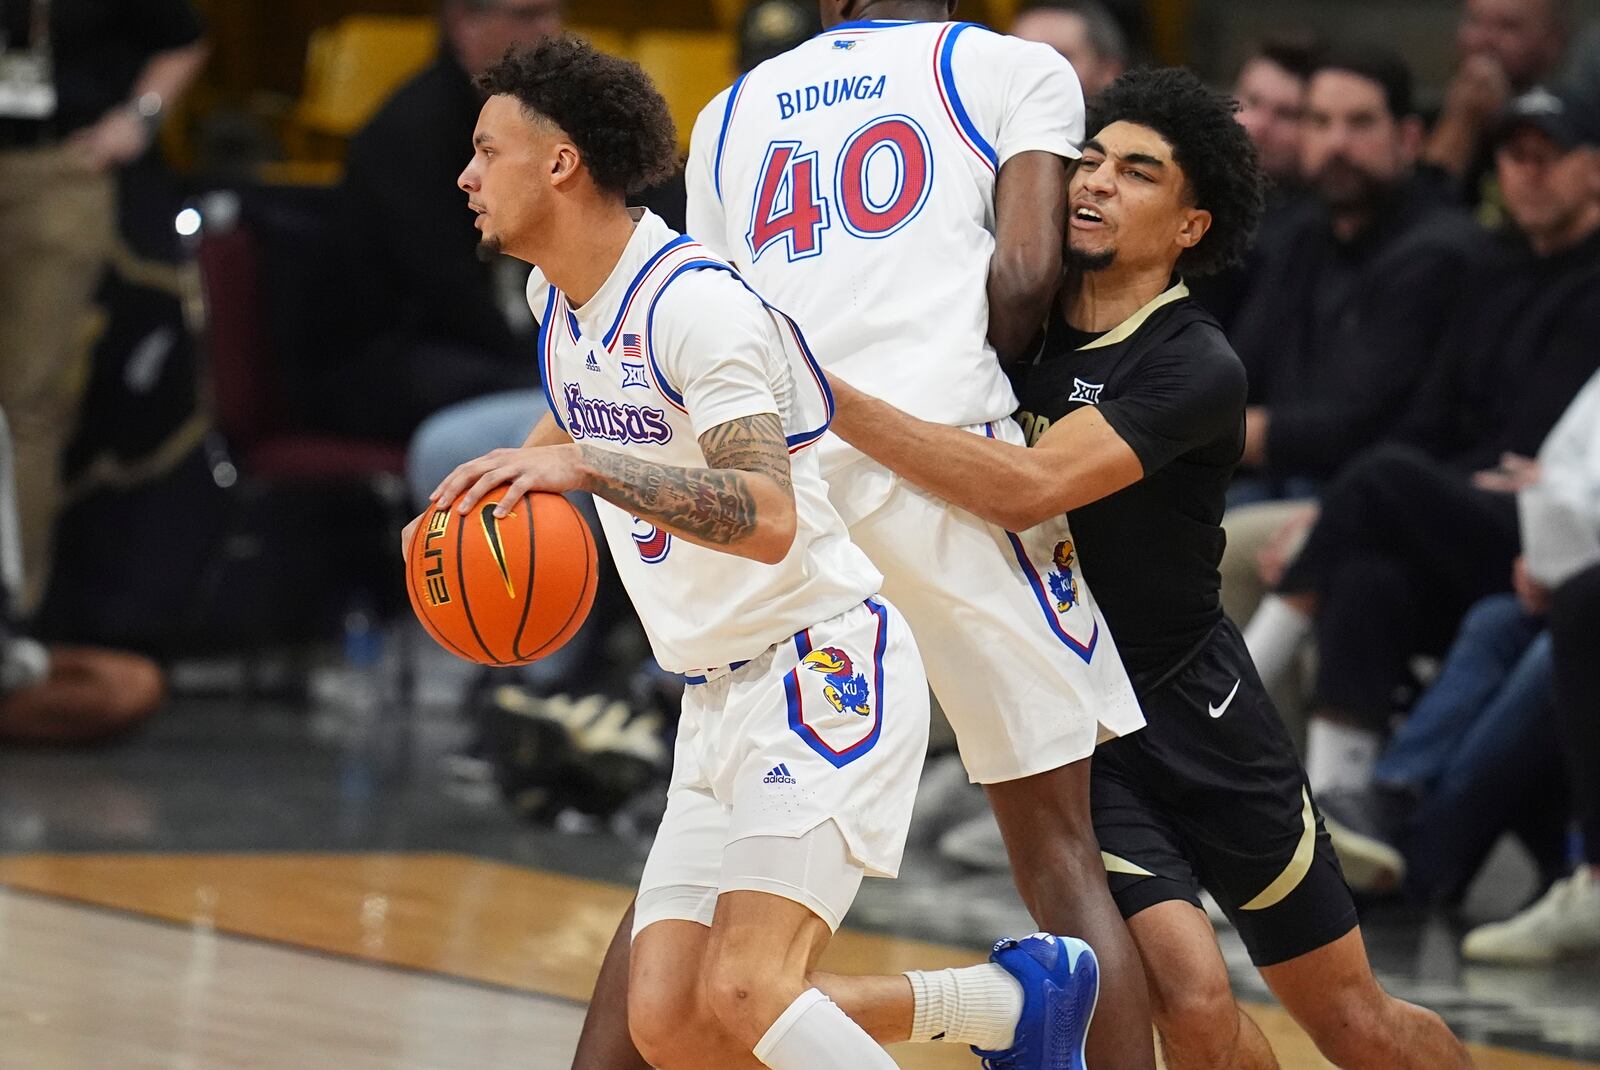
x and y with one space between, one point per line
507 590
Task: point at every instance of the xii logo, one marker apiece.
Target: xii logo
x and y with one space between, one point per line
1088 393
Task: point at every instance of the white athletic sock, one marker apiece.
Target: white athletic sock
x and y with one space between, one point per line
814 1033
1273 636
1339 755
977 1005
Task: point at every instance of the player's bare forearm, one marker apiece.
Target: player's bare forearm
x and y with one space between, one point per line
742 503
1025 271
1080 460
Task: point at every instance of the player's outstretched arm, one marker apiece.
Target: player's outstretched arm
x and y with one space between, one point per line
1081 459
742 502
1030 204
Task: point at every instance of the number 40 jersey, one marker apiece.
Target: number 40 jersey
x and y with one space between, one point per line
852 182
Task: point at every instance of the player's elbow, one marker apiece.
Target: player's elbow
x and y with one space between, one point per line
1027 504
1025 277
773 530
774 533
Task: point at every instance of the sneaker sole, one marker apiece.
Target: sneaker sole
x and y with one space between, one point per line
1369 865
1082 1060
1514 957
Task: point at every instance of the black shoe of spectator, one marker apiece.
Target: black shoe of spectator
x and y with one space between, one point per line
1365 826
528 748
618 752
589 753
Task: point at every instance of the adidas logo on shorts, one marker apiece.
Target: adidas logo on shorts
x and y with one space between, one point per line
779 774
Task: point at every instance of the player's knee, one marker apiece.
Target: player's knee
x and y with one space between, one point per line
746 995
1350 1026
1196 1011
666 1027
1053 883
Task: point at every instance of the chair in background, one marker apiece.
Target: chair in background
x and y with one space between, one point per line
255 448
689 66
352 68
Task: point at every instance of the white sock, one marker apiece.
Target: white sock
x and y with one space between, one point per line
1273 636
1339 755
815 1033
977 1005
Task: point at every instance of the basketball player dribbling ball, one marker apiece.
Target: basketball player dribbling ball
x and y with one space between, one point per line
691 409
898 185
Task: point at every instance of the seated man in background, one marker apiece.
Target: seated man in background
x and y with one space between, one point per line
1482 751
1271 91
423 322
1086 34
1405 540
1356 288
1505 48
1351 290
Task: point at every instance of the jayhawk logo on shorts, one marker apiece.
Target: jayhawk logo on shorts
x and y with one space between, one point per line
1063 584
846 689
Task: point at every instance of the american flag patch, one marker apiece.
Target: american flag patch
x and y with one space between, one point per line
632 347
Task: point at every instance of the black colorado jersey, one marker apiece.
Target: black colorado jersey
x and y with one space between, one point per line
1168 382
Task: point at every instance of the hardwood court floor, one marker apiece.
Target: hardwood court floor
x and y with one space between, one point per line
395 961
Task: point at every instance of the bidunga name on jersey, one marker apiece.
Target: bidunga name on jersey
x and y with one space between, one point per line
852 182
672 345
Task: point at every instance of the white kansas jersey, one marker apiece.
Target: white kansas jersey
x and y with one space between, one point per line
852 181
672 345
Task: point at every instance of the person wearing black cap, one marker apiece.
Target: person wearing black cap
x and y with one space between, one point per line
1417 529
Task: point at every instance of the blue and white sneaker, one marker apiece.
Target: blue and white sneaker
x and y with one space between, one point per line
1060 979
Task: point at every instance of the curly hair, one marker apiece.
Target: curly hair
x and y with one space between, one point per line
1217 156
607 106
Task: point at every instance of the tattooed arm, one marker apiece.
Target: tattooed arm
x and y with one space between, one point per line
741 503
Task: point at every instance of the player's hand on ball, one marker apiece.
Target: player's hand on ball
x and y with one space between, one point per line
551 468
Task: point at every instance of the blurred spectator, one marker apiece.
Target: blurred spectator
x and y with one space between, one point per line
1505 48
60 694
1483 750
1406 539
771 27
1271 91
1565 921
1084 31
83 87
424 322
1356 286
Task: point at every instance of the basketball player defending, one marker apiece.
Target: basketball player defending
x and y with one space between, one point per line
898 185
1134 404
690 408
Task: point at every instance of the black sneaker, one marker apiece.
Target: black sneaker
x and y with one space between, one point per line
1365 826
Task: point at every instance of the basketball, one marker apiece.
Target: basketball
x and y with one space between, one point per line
503 590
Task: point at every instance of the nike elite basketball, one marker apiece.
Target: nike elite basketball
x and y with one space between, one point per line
503 590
